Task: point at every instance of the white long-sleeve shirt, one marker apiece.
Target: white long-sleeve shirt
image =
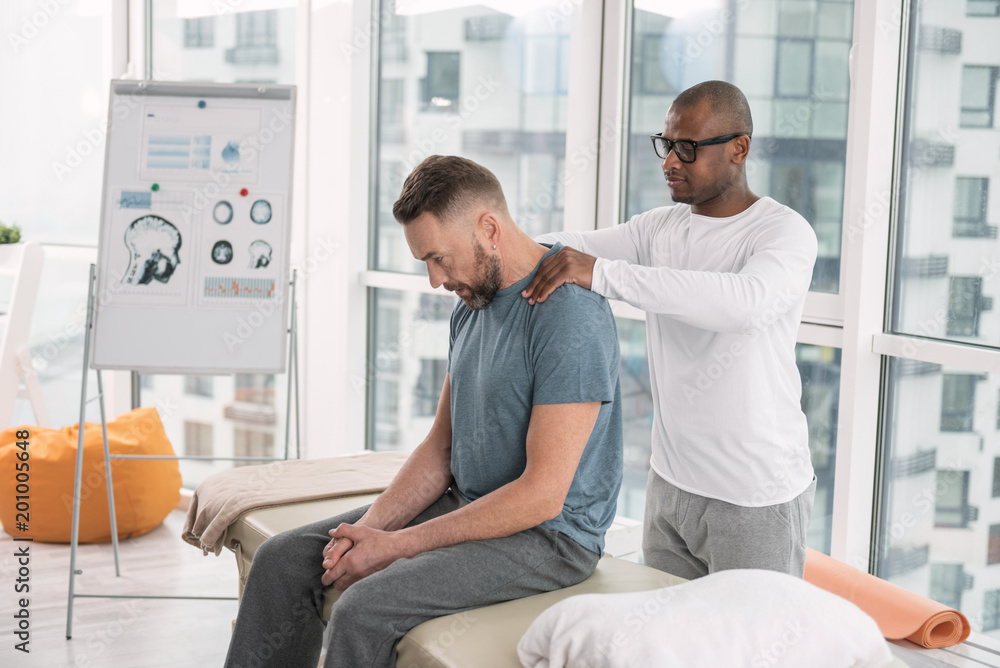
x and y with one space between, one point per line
723 299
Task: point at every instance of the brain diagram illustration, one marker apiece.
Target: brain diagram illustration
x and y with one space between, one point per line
153 244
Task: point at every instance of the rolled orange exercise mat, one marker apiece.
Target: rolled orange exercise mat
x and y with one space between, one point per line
898 612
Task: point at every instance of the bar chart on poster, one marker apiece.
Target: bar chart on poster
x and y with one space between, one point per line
193 262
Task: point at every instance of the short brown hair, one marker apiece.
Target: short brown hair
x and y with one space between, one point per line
445 186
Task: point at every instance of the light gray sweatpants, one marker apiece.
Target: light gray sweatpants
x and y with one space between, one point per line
690 535
280 620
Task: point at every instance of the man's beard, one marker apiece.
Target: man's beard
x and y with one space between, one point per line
490 279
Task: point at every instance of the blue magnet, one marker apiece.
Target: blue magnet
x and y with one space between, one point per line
201 104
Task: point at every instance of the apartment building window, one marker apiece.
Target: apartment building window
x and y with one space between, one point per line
252 443
197 439
199 386
794 68
996 477
958 399
971 198
547 65
441 85
951 509
991 610
199 33
254 388
947 584
657 64
993 549
257 28
428 388
983 8
979 88
965 302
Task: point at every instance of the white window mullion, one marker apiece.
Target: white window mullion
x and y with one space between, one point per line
332 302
612 133
582 118
870 147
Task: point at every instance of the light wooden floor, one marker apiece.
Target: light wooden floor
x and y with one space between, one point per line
122 633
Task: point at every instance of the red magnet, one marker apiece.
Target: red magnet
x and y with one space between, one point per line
244 192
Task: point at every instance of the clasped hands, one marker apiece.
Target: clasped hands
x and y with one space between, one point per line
567 265
356 551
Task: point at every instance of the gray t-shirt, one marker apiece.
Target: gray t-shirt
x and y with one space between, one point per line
511 356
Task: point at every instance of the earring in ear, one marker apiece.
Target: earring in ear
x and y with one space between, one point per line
494 246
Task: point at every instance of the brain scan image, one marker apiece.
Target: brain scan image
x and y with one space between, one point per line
223 212
152 244
260 212
222 252
260 254
231 153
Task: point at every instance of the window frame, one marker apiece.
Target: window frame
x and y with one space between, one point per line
854 319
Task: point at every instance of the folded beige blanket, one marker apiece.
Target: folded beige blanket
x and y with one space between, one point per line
223 497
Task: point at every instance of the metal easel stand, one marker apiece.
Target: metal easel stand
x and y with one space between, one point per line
293 386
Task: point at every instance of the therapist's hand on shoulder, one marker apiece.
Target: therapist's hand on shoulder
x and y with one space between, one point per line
567 265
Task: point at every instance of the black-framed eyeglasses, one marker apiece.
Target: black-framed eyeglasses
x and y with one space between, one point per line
686 150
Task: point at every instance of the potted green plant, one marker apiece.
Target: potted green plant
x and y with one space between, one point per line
9 235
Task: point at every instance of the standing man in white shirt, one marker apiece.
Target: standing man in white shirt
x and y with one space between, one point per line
723 276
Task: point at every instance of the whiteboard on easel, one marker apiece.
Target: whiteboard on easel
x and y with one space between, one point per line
193 261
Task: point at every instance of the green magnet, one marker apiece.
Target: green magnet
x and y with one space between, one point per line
155 187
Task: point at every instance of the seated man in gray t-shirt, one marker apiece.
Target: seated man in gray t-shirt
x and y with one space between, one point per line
515 485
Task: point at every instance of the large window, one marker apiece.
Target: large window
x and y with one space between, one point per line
407 365
945 416
473 81
790 59
198 41
241 415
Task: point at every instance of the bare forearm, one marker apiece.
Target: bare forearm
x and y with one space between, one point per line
422 480
516 506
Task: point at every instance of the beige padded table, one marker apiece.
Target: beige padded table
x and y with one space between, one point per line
484 638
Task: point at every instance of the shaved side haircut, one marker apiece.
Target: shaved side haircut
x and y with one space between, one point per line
447 186
724 99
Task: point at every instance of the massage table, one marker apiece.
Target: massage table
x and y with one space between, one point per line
483 638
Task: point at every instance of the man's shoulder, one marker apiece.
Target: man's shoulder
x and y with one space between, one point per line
570 304
671 213
776 219
771 211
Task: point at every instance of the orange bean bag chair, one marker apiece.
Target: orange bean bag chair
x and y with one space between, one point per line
145 490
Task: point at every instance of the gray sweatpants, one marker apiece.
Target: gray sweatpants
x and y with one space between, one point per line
280 620
690 535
